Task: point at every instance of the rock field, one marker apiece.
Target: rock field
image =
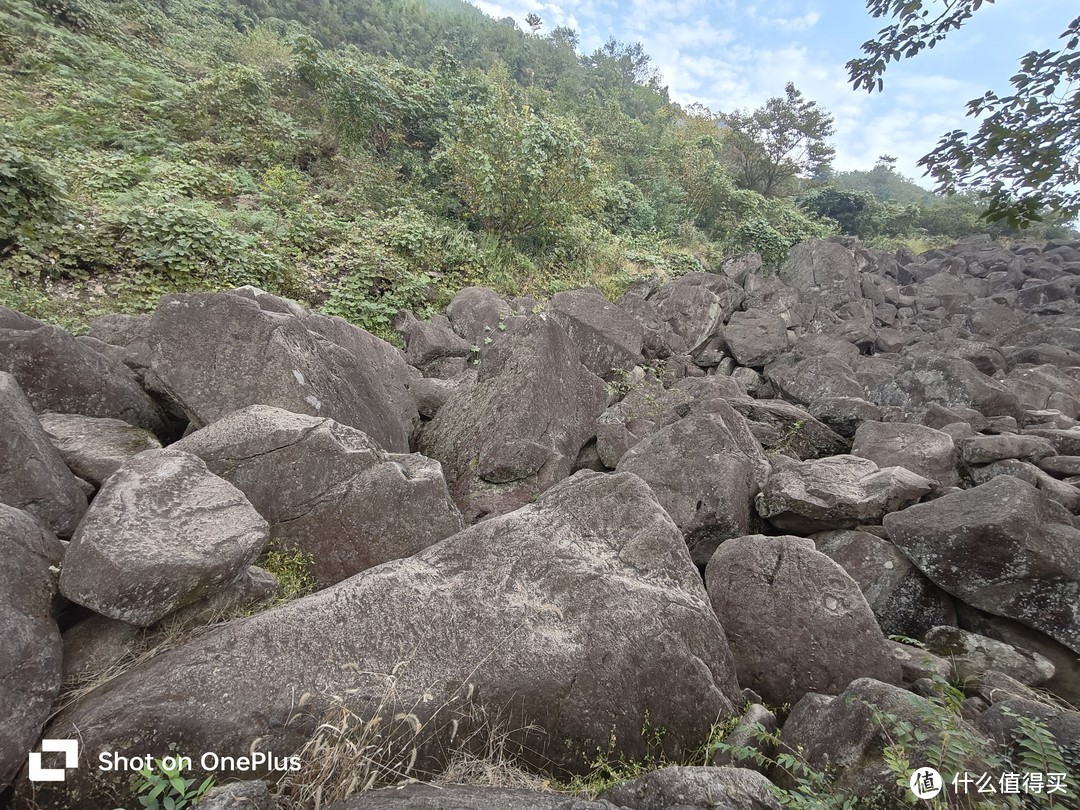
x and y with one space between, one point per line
728 498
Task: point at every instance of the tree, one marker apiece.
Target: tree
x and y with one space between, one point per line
773 146
534 22
1025 155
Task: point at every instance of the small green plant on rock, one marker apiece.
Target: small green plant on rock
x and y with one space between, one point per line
292 567
165 788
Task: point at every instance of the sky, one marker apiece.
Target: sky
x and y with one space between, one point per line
732 55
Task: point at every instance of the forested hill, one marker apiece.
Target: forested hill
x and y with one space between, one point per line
371 155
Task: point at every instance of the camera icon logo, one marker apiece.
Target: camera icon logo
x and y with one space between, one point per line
70 750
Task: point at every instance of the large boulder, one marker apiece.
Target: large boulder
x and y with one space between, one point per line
58 373
694 307
755 337
787 429
838 492
163 532
849 733
202 349
1002 547
695 788
816 378
30 650
609 339
795 621
904 601
464 797
705 470
973 655
823 270
648 406
575 614
327 489
946 381
519 427
923 450
94 447
33 476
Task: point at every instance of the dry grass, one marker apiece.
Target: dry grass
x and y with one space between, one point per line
452 741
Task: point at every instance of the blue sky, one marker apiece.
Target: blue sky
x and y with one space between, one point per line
734 55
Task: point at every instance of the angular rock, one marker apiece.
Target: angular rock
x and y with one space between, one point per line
755 337
987 449
816 378
694 307
904 601
705 471
58 373
790 429
1002 547
239 796
518 429
916 664
838 492
649 406
162 533
695 788
476 312
575 613
795 621
746 735
824 270
845 732
845 414
947 381
327 489
92 447
973 655
30 650
925 451
33 476
609 340
428 343
464 797
202 348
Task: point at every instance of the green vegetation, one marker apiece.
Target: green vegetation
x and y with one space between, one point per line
364 156
165 788
1025 155
292 568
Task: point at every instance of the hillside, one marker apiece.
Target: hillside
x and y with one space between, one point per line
362 157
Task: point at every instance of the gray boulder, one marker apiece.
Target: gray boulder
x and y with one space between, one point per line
93 447
608 339
1002 547
694 307
162 533
648 406
973 655
239 796
988 449
476 313
845 414
695 788
923 450
58 373
575 614
202 347
705 471
30 650
904 601
33 476
518 429
432 346
464 797
816 378
795 621
327 489
849 733
838 492
755 337
823 270
947 381
786 429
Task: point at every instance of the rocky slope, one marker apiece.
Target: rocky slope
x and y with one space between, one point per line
567 520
